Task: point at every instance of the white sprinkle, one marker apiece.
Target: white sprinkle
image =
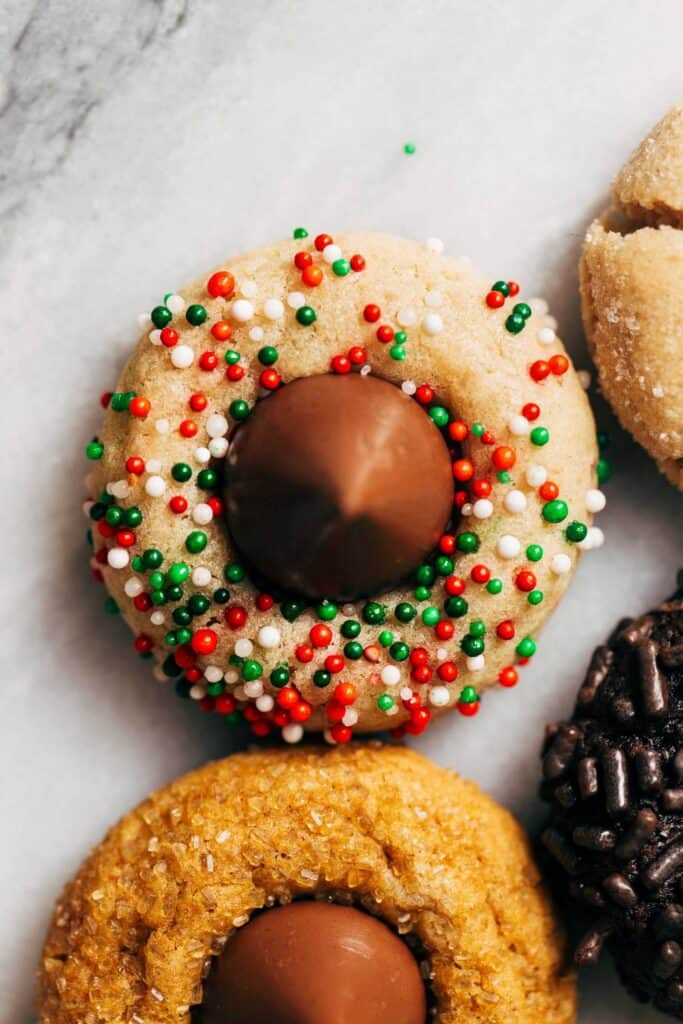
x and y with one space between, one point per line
518 425
202 455
658 391
560 564
596 536
435 245
350 717
201 576
265 702
231 676
407 317
182 356
466 509
222 836
156 994
176 303
218 446
157 618
143 320
248 289
162 426
119 488
408 387
256 334
439 696
477 663
508 546
331 253
293 733
216 425
584 379
155 337
213 674
405 693
155 486
268 637
434 298
441 654
295 300
133 586
243 648
595 500
515 501
390 675
118 558
198 691
432 323
547 336
209 862
482 508
153 465
253 689
536 475
242 310
273 309
365 370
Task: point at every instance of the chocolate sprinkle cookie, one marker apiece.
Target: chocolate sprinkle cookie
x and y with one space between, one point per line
613 776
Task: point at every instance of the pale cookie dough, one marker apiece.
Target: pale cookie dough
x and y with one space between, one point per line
133 936
499 386
632 295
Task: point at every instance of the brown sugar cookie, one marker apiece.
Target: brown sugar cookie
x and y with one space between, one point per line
632 295
341 485
175 911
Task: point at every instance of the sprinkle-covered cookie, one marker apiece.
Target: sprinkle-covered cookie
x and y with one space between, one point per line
340 485
614 778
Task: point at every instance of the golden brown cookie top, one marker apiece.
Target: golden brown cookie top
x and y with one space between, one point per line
380 828
649 187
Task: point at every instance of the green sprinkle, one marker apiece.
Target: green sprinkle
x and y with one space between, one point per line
526 647
251 670
373 613
232 356
604 470
405 611
385 702
235 573
576 531
539 436
322 678
425 575
221 596
503 476
523 309
397 352
326 611
113 516
198 604
94 450
501 286
386 637
299 233
350 629
468 695
110 606
341 267
290 610
535 596
181 472
178 572
161 317
555 511
195 314
430 616
534 552
279 676
399 651
268 355
306 315
207 479
515 323
196 541
239 409
182 617
456 607
444 565
467 542
409 148
439 415
473 646
132 516
152 558
353 650
477 429
477 628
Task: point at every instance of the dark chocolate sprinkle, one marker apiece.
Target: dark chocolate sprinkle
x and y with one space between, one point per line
617 849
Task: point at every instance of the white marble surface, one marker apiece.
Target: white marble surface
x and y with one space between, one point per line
143 141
